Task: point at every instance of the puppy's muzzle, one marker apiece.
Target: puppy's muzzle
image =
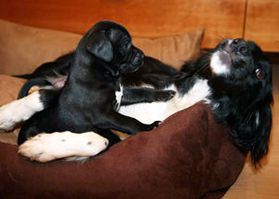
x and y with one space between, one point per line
135 60
137 57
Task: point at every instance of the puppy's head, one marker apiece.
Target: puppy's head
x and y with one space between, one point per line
111 44
246 72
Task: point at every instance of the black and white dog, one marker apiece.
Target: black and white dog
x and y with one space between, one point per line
234 79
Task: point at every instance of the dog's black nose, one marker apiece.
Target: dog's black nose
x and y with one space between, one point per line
236 41
239 46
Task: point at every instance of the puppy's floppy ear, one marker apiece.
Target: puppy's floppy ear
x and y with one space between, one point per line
100 46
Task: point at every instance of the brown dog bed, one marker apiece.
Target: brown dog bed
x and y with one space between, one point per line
188 156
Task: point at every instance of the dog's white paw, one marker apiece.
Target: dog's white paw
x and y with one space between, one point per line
19 110
7 120
47 147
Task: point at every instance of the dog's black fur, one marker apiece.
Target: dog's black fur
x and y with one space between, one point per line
242 99
87 100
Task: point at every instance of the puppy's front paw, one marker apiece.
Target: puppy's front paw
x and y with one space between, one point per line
164 96
48 147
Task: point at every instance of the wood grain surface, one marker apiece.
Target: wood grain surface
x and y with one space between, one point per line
150 18
262 23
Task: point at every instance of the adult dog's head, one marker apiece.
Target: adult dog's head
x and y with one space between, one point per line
110 45
241 76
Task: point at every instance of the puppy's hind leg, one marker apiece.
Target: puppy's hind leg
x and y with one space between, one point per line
47 147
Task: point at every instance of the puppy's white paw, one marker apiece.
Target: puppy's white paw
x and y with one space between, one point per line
47 147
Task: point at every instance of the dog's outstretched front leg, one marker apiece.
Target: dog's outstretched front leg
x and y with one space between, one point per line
47 147
21 110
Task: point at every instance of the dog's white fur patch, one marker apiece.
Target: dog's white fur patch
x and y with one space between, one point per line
217 66
47 147
150 112
19 110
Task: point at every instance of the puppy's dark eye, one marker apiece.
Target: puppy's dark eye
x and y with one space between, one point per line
260 73
107 32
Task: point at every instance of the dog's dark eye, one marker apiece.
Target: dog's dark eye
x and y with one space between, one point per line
260 74
243 50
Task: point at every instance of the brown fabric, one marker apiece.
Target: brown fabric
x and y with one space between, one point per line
9 87
173 50
23 48
188 156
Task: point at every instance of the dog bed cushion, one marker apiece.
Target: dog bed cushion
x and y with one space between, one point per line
188 156
23 48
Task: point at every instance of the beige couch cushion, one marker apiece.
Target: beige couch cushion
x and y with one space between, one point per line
23 48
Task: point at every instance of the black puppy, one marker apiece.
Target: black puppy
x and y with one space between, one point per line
92 92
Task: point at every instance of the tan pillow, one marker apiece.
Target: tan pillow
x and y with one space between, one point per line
173 50
23 48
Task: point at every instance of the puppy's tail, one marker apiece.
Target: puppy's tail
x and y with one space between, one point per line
40 82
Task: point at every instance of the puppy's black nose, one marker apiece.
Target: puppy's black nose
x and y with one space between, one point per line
141 55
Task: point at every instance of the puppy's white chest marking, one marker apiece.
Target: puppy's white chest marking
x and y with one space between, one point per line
150 112
118 97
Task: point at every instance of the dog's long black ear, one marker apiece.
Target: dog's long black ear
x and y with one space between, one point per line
100 46
254 130
262 130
